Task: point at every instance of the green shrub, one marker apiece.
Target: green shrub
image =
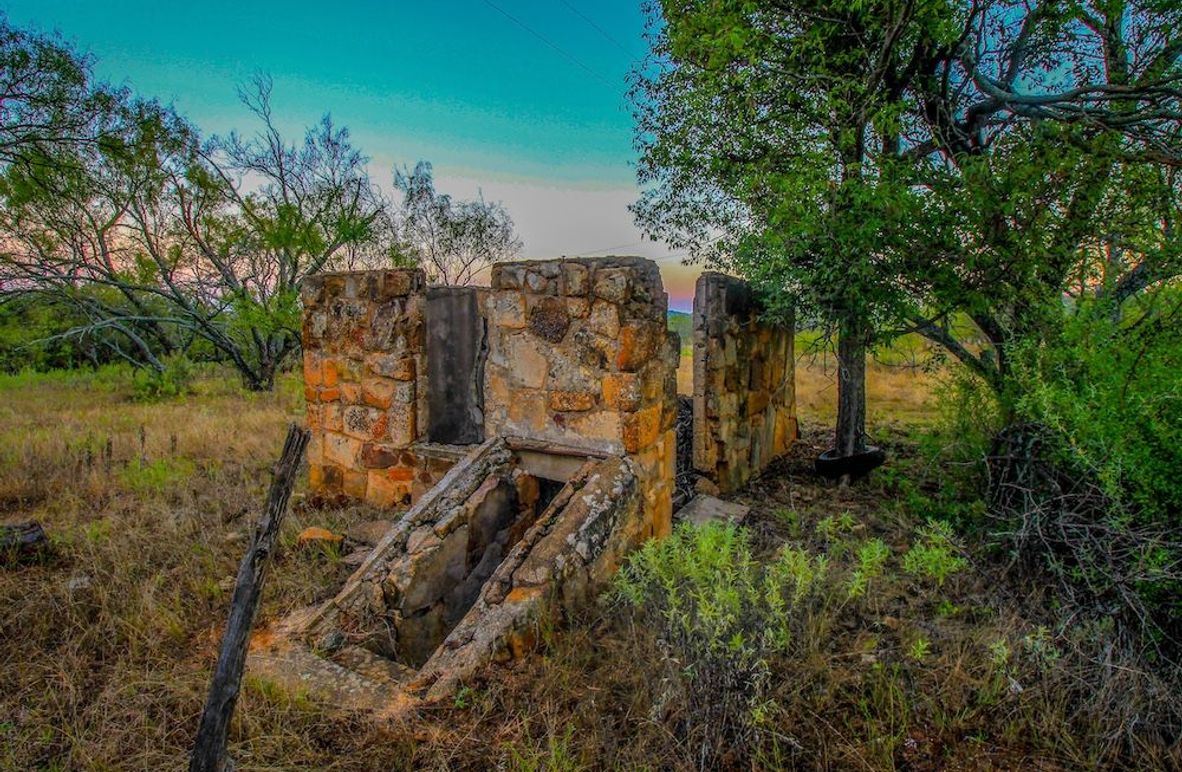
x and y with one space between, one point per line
934 556
723 617
1085 476
174 381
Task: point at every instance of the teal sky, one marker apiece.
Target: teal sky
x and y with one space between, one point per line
534 118
456 82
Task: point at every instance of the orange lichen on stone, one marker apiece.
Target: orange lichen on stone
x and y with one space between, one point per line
571 400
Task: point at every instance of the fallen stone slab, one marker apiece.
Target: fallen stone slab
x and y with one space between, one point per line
704 509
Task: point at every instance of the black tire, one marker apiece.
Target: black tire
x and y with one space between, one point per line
831 466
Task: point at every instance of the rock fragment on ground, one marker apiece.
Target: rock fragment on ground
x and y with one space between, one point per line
369 532
708 509
315 535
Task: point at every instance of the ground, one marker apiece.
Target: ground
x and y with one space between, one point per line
109 642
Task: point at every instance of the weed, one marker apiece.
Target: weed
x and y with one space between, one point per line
934 556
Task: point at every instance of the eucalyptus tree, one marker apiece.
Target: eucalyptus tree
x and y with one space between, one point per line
884 166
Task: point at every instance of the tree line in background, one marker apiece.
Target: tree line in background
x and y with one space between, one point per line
128 236
999 176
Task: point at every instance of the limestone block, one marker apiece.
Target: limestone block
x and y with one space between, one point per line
378 456
527 412
333 417
508 310
578 307
364 422
538 283
508 276
549 320
341 450
384 492
378 392
637 346
621 391
350 393
331 372
401 425
604 319
642 428
602 428
613 284
355 484
574 279
528 362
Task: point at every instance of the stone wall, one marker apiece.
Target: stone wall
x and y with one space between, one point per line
579 355
744 392
363 339
570 353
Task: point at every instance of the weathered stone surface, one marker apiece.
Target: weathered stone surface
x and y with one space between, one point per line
530 364
605 319
574 279
369 532
578 357
704 509
571 400
744 399
612 284
549 320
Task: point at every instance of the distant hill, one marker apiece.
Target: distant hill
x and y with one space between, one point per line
683 324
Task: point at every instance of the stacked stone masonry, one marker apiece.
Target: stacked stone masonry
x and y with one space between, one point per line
577 355
527 429
580 356
363 338
744 393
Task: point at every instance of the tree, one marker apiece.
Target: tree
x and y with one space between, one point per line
200 241
764 131
47 95
452 241
885 166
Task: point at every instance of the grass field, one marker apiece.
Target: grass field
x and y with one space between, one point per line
107 646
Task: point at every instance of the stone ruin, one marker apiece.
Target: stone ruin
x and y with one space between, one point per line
527 430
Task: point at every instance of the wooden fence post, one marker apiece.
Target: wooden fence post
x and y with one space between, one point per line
209 751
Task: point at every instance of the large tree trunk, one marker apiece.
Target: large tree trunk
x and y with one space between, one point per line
850 436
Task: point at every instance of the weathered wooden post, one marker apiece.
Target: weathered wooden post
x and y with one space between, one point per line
209 751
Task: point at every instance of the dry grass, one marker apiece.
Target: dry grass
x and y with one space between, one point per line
107 647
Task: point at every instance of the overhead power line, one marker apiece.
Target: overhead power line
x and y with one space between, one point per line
607 36
557 48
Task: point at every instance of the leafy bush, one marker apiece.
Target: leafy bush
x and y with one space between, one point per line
934 556
176 379
1085 476
723 617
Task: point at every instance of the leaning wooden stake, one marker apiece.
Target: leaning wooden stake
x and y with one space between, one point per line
209 752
